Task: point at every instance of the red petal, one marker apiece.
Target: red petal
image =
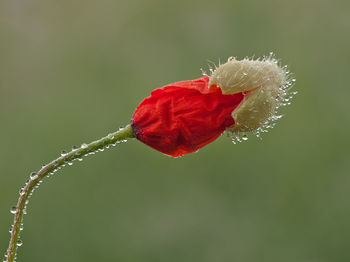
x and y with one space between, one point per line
182 117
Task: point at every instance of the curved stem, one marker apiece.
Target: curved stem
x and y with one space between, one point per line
53 166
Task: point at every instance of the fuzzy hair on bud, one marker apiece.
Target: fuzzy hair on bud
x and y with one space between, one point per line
264 84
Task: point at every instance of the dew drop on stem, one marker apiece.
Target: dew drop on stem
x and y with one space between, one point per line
19 242
13 210
32 175
21 191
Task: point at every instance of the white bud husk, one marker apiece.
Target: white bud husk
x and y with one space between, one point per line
265 85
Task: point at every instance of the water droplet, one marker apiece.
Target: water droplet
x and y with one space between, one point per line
21 191
84 145
245 137
63 152
33 175
70 163
74 147
11 228
13 210
19 242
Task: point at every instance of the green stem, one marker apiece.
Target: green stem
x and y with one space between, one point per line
66 158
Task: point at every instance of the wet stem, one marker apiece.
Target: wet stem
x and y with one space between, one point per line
36 178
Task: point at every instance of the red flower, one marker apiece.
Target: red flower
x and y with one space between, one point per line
240 96
182 117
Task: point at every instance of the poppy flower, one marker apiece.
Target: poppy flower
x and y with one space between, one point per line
239 96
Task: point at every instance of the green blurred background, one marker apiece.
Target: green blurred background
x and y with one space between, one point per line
73 71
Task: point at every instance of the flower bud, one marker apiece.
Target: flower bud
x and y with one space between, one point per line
239 96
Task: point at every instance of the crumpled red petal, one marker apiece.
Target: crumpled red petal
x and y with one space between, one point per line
182 117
